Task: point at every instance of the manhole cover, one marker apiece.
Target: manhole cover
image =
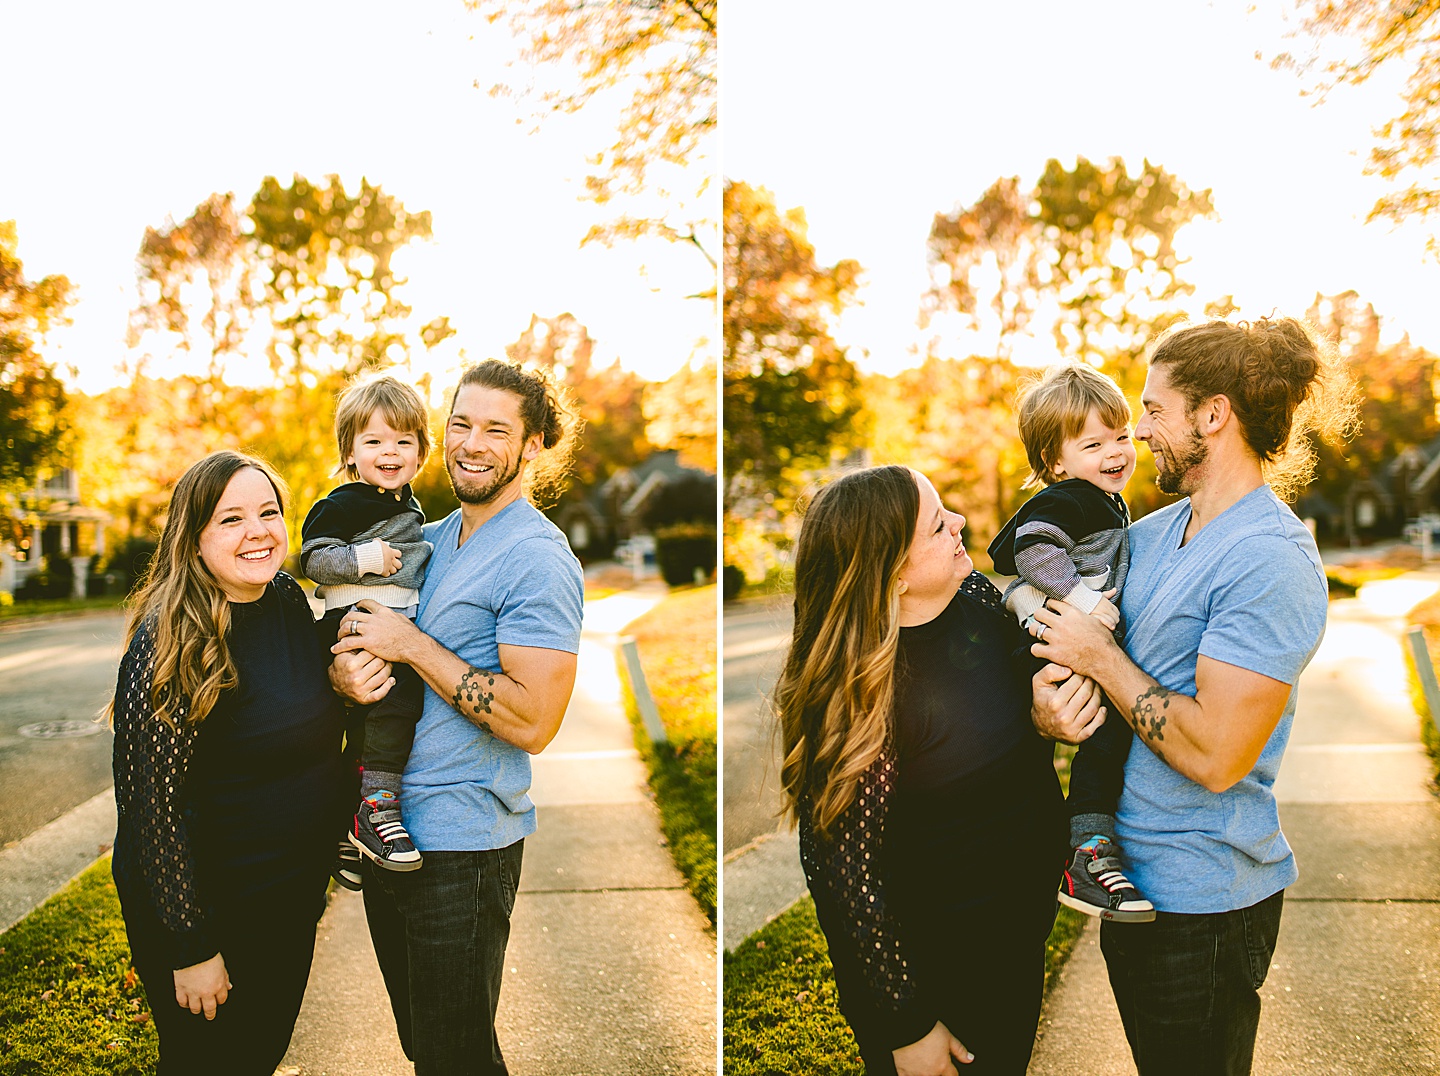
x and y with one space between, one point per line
60 730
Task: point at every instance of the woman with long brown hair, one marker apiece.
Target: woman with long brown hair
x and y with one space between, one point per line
229 781
931 820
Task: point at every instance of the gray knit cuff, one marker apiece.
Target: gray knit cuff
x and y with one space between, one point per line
1085 826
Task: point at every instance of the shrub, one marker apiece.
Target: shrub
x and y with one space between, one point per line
127 562
55 579
732 581
680 549
689 498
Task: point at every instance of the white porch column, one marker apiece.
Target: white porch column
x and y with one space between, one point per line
82 569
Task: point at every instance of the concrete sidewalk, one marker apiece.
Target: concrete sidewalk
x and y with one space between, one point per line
611 965
1355 983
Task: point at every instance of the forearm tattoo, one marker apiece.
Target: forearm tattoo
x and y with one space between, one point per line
476 696
1151 713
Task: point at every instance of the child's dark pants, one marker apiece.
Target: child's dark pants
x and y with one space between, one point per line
383 741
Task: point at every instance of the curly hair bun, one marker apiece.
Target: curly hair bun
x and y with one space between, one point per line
1283 380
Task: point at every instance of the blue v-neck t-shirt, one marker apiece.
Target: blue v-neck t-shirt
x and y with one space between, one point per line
1248 589
514 581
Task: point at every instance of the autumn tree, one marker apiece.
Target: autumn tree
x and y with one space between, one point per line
608 399
304 271
1376 35
954 421
680 415
32 399
791 392
303 275
663 53
136 439
1087 253
1397 383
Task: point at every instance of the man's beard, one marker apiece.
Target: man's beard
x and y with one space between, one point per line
1180 461
486 492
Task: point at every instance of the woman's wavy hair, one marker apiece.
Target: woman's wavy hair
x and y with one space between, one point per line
1285 383
545 408
180 601
835 693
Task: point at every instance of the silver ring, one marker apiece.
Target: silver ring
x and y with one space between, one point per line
354 627
1042 631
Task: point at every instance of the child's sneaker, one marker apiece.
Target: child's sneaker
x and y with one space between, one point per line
346 869
1094 884
379 834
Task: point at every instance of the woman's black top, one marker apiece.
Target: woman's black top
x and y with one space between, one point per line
960 809
243 811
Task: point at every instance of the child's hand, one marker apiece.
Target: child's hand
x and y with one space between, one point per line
1106 613
392 558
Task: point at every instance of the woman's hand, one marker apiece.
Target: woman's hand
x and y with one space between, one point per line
203 987
931 1055
361 677
1065 706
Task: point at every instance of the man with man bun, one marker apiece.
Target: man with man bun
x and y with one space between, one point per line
495 640
1226 604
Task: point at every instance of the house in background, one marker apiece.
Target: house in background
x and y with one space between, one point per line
614 511
1402 491
50 521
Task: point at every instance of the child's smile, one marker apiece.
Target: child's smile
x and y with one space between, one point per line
1102 456
385 457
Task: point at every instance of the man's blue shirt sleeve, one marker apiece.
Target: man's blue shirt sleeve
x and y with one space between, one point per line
543 591
1267 609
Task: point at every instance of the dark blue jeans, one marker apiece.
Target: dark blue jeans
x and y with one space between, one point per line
1187 987
440 935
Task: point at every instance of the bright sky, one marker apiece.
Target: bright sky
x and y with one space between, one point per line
888 115
124 114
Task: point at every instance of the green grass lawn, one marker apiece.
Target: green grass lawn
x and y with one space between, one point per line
1426 615
41 606
69 1000
676 640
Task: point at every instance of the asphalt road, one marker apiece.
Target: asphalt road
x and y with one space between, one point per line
756 635
54 671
